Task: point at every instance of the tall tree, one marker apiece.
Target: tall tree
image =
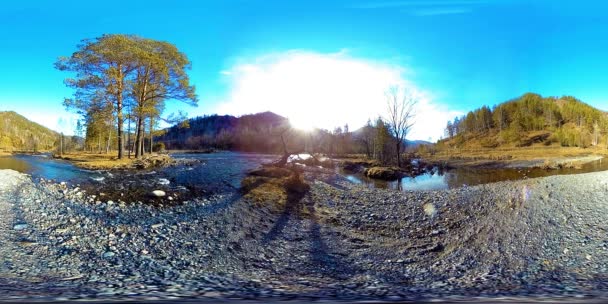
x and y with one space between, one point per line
401 106
101 66
160 75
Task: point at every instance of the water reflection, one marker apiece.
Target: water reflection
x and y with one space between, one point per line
43 166
437 179
9 162
217 171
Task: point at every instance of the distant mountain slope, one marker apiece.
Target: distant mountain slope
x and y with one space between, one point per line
255 132
528 120
19 133
415 143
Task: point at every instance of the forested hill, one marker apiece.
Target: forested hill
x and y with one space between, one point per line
256 133
19 133
528 120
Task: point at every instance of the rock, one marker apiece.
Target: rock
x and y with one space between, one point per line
108 254
158 193
153 161
384 173
156 226
437 248
20 226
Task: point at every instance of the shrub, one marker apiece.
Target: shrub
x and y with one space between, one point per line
158 147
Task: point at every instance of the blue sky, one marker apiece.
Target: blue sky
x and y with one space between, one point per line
250 56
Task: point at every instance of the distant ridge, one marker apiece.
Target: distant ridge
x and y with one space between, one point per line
530 120
253 133
17 133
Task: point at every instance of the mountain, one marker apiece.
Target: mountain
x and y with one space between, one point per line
252 133
530 120
414 144
19 133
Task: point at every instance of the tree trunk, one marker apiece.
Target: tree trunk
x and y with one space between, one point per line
138 139
119 118
109 141
129 135
151 134
399 155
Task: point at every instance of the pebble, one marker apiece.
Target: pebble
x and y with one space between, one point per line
195 253
20 227
158 193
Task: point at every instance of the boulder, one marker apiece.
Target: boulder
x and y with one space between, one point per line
384 173
153 162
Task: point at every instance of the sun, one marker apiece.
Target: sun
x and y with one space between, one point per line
302 122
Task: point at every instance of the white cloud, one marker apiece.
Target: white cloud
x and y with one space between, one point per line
324 90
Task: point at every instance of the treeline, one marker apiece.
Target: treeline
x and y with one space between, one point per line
19 133
251 133
266 132
569 121
123 81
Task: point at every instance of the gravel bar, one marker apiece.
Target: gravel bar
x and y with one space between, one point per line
534 239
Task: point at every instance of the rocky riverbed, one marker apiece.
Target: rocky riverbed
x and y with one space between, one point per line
534 238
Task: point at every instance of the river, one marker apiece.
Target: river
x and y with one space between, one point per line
221 173
437 179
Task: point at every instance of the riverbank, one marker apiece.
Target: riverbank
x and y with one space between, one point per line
110 161
532 238
551 157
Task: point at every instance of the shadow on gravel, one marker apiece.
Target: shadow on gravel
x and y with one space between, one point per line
293 207
322 259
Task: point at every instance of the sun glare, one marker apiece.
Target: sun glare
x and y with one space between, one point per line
322 91
302 123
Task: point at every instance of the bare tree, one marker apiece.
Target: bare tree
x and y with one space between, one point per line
401 106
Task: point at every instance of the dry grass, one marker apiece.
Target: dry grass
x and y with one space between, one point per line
274 191
262 190
506 155
95 161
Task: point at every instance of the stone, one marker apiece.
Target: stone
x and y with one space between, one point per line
158 193
108 254
384 173
20 226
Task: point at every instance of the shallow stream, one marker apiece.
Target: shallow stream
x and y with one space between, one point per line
220 173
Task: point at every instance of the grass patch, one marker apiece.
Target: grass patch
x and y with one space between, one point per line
548 154
274 187
95 161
